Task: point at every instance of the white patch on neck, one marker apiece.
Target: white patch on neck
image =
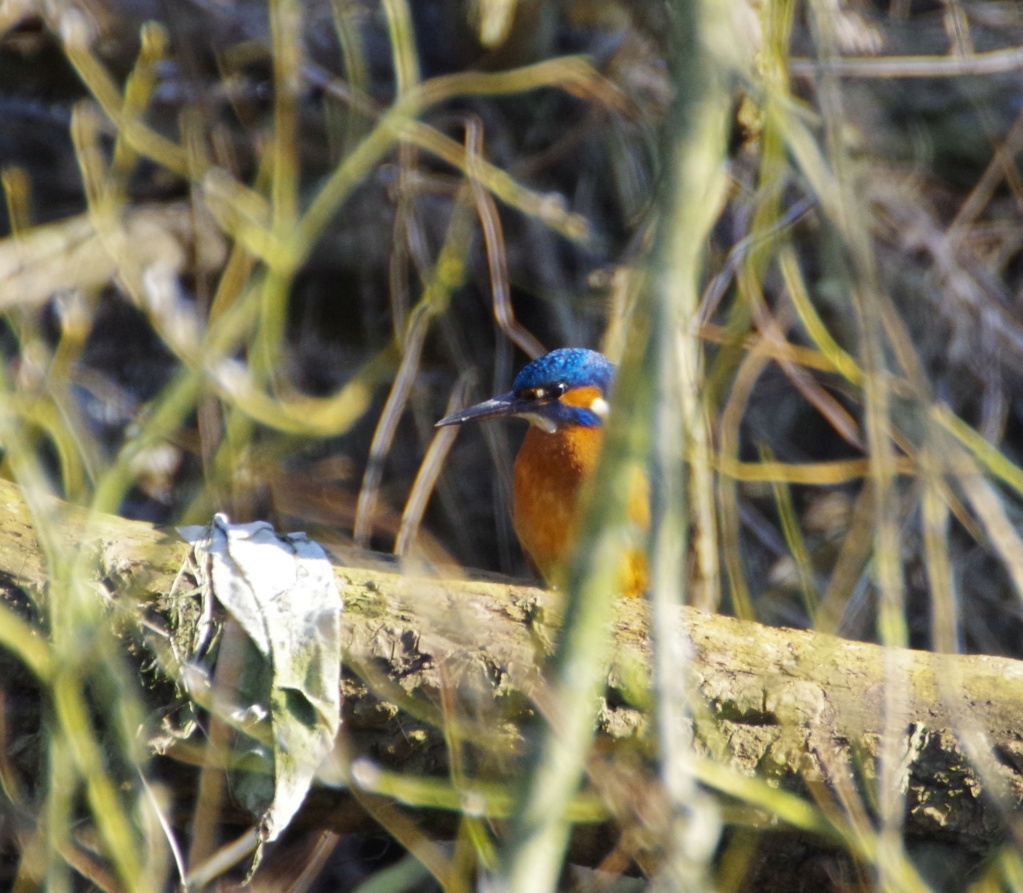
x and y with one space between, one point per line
542 422
600 408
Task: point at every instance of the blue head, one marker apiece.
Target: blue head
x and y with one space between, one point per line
566 387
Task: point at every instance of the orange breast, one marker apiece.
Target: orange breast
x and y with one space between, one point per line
549 474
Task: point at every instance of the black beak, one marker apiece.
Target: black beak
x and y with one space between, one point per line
496 407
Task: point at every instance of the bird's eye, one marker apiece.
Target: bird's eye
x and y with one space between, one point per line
551 392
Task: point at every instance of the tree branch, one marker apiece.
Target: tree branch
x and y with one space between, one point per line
435 665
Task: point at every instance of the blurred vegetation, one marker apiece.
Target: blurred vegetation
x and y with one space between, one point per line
251 251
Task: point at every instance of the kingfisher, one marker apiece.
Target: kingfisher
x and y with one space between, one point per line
564 397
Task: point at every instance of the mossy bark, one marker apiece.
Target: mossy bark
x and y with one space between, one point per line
429 662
